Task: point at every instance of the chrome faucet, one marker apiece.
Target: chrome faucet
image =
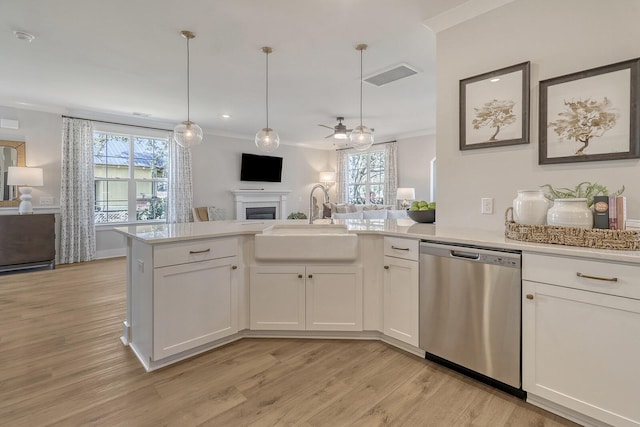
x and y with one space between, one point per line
326 200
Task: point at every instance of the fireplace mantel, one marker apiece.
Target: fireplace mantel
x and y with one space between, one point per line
260 198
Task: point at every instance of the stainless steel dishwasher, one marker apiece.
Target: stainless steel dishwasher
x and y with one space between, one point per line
470 311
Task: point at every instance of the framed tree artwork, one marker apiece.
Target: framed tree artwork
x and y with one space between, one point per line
591 115
494 108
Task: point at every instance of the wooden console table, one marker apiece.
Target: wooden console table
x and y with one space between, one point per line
27 241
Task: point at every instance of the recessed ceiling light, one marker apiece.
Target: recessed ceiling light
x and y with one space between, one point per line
226 116
22 35
495 79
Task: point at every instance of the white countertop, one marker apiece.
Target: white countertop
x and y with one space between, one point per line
165 233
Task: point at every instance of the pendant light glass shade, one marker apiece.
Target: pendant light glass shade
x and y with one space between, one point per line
187 134
267 139
361 137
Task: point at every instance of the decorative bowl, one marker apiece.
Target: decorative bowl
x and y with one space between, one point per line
422 216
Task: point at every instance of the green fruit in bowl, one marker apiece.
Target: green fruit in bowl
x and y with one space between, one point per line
415 204
432 206
414 208
423 208
423 204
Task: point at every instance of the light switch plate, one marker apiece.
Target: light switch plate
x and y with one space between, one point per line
486 207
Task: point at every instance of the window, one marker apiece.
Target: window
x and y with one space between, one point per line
130 177
366 178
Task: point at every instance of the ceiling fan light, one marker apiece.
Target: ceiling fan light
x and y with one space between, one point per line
187 134
361 138
267 140
340 134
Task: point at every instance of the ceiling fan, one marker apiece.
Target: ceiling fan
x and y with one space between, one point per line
340 131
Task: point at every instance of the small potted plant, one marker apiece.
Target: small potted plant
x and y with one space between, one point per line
297 215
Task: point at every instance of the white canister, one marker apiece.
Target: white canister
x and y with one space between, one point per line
570 213
530 207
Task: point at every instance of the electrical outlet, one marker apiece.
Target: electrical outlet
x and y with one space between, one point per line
46 201
486 207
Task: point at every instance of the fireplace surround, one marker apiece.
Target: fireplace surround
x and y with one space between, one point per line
261 199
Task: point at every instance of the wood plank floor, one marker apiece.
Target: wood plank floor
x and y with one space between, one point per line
62 364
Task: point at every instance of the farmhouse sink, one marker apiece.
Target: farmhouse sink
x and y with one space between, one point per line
306 242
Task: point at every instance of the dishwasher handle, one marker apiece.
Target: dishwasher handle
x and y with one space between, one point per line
465 255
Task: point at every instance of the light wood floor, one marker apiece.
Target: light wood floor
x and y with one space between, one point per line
62 363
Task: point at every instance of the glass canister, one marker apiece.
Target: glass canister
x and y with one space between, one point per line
570 213
530 207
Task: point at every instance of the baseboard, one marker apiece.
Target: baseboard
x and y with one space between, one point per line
567 413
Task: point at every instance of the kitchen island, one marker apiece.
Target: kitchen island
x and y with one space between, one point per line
193 287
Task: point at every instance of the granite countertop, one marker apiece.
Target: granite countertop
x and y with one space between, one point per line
166 233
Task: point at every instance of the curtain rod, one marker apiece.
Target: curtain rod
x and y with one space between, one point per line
115 123
376 143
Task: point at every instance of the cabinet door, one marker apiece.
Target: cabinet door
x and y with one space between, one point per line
581 351
193 304
334 298
401 299
277 297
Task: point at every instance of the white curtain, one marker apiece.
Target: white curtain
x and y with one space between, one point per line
77 195
180 194
390 173
342 176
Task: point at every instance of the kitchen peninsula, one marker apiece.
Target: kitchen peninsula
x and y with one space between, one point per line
193 287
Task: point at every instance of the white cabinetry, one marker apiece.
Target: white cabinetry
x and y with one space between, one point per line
311 297
184 295
277 295
401 289
193 304
581 323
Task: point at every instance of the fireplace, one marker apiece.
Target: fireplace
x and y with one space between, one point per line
267 212
273 200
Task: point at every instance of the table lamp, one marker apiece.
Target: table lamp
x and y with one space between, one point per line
25 178
405 194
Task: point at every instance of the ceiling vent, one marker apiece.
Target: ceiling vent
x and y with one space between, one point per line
391 75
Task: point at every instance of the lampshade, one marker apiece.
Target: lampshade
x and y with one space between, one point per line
404 193
328 176
24 176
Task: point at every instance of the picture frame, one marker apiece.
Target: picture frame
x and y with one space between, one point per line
590 115
494 108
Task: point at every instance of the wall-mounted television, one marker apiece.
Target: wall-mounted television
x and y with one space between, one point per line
261 168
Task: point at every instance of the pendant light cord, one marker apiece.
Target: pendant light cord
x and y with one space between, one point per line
267 87
361 89
188 78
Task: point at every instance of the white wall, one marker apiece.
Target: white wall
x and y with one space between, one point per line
216 172
414 164
558 37
41 133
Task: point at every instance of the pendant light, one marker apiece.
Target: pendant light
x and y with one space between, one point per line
187 134
361 136
267 139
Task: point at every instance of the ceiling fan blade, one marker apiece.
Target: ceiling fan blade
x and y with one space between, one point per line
329 136
328 127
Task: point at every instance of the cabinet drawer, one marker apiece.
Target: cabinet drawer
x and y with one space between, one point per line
402 248
195 250
579 273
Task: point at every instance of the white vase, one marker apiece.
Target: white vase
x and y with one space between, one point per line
570 213
530 207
